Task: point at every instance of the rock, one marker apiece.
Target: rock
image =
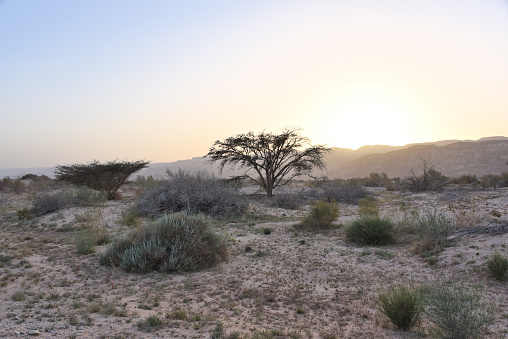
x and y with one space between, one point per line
34 332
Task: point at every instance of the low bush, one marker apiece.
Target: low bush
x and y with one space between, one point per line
87 239
89 197
458 312
150 324
402 304
429 180
15 185
498 266
433 231
45 202
320 216
175 242
197 192
495 180
371 230
290 201
465 179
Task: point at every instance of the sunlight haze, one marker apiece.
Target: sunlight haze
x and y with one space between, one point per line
162 80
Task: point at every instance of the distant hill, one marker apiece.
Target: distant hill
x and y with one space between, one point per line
451 157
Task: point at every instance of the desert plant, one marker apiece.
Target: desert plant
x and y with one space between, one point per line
45 202
290 201
402 304
85 241
498 266
270 159
432 230
15 185
429 180
368 206
457 311
175 242
191 192
320 216
494 180
371 230
465 179
105 177
89 197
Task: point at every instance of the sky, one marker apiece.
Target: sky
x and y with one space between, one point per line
163 80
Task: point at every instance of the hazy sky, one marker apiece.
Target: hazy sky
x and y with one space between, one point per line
162 80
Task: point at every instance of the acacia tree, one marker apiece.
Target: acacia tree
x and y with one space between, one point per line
269 159
105 177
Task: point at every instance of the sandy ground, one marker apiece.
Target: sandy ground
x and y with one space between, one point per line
315 285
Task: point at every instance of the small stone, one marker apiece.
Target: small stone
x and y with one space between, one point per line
34 332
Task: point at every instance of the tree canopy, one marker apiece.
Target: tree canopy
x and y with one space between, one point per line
269 159
105 177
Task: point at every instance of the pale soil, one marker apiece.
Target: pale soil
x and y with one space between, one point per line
314 284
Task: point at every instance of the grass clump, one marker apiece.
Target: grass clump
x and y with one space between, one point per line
368 206
175 242
371 230
150 324
321 216
457 312
87 239
433 231
402 304
498 266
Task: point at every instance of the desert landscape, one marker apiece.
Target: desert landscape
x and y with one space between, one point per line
279 281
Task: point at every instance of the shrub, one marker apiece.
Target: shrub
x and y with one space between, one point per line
495 180
457 312
320 216
176 242
432 230
498 266
371 230
465 179
402 304
86 239
429 180
88 197
45 202
197 192
14 184
368 206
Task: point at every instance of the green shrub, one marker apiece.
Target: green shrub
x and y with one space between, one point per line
498 266
175 242
87 239
456 311
371 230
368 206
89 197
320 216
402 304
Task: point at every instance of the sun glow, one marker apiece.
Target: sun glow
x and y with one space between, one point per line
357 117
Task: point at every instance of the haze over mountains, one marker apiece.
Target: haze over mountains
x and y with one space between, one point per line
451 157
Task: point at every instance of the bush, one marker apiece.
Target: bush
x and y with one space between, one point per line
45 203
495 180
465 179
150 324
176 242
368 206
87 239
321 216
371 230
498 266
290 201
402 304
432 230
197 192
457 312
429 180
88 197
14 184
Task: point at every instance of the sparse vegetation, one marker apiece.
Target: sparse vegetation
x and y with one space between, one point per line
432 230
48 202
150 324
175 242
429 180
371 230
338 191
368 206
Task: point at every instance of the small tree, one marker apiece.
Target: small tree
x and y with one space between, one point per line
270 159
105 177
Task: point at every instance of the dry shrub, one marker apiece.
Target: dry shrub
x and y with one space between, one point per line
321 216
338 191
